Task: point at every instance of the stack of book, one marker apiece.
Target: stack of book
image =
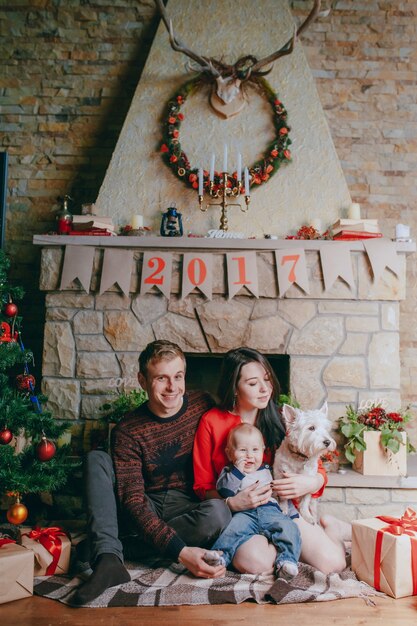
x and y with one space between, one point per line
89 225
349 229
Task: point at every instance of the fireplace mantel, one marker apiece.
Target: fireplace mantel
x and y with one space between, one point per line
201 243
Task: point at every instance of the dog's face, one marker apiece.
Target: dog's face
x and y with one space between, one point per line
309 432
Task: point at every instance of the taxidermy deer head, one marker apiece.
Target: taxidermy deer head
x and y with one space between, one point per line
227 98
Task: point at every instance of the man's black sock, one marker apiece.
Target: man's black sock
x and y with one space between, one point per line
108 571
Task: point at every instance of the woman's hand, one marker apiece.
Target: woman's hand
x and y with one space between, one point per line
296 485
250 498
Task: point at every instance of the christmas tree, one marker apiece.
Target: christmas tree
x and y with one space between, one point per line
30 462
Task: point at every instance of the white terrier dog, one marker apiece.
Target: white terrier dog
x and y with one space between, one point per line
307 438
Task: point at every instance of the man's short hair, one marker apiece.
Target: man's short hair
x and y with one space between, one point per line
159 350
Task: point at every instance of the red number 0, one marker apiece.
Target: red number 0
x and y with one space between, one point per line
197 266
291 257
241 263
160 266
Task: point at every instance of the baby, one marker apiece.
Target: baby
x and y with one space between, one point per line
245 448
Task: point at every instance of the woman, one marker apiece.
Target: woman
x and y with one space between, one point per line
247 389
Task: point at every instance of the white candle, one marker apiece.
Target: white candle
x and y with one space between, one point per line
354 211
212 168
239 166
137 222
402 231
247 189
316 223
225 158
200 181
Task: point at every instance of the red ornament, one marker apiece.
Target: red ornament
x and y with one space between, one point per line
6 333
6 436
45 450
10 309
25 382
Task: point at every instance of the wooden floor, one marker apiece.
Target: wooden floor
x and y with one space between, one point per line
386 612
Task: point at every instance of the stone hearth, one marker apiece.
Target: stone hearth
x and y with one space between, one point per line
342 344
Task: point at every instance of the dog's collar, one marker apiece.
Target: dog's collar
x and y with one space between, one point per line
296 452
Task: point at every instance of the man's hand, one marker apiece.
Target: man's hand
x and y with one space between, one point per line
250 498
192 559
296 485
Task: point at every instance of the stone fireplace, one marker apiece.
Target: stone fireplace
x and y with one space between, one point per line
341 344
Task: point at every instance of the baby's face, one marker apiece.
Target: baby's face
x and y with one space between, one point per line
247 452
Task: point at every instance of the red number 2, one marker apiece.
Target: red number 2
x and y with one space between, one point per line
160 266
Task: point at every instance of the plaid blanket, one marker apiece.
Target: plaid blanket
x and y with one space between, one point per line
160 586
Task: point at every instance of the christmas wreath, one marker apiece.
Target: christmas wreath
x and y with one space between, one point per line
276 153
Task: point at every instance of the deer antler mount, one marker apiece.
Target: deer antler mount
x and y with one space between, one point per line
227 98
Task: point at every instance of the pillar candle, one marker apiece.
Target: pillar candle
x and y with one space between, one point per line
354 211
137 222
316 223
402 231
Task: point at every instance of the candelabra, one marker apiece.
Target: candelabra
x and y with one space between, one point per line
224 192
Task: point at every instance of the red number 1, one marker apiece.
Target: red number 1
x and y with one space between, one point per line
241 263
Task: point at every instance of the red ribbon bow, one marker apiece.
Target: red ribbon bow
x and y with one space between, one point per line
49 538
4 542
404 525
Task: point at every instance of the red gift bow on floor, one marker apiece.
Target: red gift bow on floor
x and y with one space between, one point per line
405 525
4 542
49 538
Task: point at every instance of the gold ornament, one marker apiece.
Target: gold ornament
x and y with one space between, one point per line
17 513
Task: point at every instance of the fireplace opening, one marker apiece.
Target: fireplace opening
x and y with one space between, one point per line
203 371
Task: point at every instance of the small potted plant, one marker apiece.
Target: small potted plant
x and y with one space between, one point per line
377 443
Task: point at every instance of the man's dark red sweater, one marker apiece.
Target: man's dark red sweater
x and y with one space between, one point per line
152 454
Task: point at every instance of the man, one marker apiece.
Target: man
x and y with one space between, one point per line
152 473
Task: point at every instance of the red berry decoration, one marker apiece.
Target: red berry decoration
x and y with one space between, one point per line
6 436
10 309
25 382
45 450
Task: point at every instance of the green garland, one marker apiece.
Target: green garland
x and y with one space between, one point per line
276 153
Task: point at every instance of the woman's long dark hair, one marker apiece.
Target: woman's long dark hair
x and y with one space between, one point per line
268 419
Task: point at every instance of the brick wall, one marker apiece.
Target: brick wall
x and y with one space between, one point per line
68 70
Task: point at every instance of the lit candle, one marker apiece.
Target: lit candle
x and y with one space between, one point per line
239 166
354 211
247 189
137 222
212 168
225 158
200 181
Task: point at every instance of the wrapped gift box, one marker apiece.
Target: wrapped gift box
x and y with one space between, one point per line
51 548
376 461
384 553
16 572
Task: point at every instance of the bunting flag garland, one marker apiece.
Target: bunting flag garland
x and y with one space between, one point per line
382 254
156 272
336 261
197 272
291 269
197 268
242 272
78 263
116 266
